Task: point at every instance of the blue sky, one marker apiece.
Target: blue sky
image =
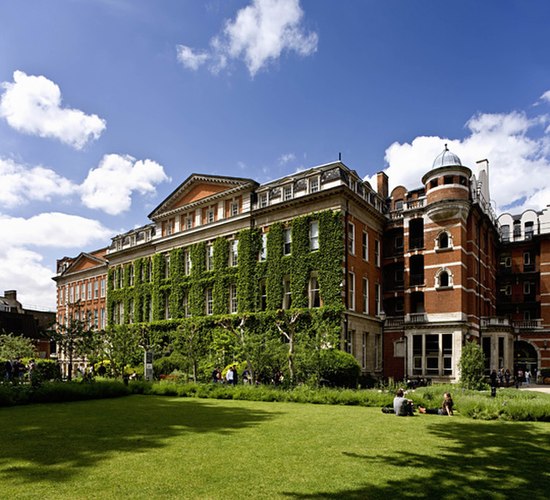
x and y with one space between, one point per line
106 106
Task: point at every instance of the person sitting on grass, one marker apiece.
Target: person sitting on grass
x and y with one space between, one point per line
402 406
446 408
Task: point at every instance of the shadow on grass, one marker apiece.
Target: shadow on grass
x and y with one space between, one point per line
55 442
479 460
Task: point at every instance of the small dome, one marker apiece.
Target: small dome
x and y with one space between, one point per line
446 159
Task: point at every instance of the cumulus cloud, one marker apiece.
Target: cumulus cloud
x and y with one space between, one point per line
518 154
546 96
21 183
190 59
32 105
109 187
259 34
23 269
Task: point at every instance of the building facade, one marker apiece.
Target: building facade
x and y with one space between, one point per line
414 273
28 323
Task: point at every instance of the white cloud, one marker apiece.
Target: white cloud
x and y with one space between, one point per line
519 159
259 34
287 157
53 229
545 96
23 269
20 184
32 105
109 187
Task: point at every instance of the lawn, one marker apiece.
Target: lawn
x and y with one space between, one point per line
162 447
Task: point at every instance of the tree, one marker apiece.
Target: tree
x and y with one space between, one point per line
76 340
472 367
287 326
14 346
191 341
121 346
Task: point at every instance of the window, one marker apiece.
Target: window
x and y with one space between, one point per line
187 261
287 293
102 293
506 289
166 265
364 351
399 204
505 232
71 294
365 296
526 258
314 298
432 354
287 238
209 257
351 238
351 291
102 318
263 295
210 216
89 296
443 240
448 179
96 289
517 230
529 230
130 311
83 286
526 288
77 293
350 337
170 227
209 302
189 222
443 279
314 235
378 298
131 274
314 184
378 352
287 192
234 253
185 304
505 261
377 252
234 208
263 200
398 243
167 314
233 299
365 245
263 250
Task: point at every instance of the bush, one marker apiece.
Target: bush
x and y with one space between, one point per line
472 367
168 364
339 368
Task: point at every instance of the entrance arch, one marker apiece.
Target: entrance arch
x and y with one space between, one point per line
525 356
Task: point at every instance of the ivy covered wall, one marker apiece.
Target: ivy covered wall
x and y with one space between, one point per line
151 284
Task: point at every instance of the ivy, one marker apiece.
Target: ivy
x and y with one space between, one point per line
276 268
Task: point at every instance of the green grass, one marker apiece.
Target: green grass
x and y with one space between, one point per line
164 447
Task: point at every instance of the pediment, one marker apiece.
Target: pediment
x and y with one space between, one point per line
84 261
198 189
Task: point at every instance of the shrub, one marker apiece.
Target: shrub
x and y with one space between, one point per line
472 367
339 368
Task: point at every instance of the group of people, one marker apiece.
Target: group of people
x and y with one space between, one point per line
502 378
404 407
231 376
15 370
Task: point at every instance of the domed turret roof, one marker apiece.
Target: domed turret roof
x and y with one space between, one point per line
446 159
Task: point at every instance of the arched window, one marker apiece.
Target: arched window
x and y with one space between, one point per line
443 279
444 241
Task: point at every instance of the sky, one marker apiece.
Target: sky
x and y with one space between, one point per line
106 106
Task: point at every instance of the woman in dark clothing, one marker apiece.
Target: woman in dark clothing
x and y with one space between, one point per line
445 409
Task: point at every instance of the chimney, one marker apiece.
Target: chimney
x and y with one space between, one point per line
382 185
11 295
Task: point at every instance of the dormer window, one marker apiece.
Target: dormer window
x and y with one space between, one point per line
287 192
234 208
210 216
263 200
314 184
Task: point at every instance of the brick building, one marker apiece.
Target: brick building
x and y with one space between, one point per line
28 323
418 272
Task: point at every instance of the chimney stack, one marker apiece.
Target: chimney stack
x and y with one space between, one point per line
382 185
11 295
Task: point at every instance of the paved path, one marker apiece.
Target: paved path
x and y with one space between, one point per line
536 387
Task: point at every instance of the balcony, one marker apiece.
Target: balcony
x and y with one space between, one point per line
416 318
494 321
528 324
393 322
414 204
